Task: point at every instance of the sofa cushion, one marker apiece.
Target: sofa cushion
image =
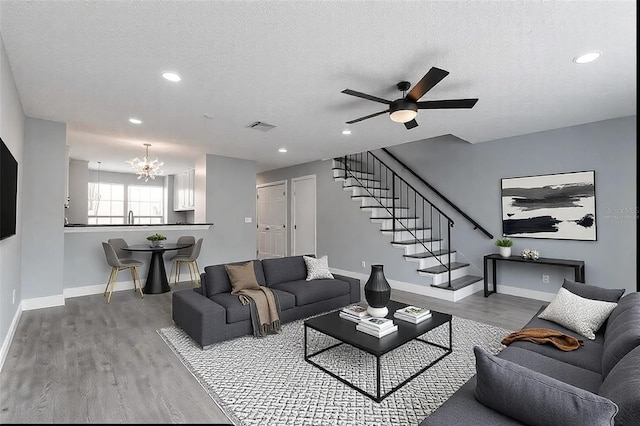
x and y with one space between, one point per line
283 269
575 376
576 313
242 277
307 292
622 386
622 335
236 311
629 301
534 398
317 268
217 279
593 292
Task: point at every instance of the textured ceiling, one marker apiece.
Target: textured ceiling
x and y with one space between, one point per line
94 64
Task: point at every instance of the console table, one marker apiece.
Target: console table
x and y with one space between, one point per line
577 265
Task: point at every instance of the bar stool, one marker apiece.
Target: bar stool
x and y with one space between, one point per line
191 260
118 265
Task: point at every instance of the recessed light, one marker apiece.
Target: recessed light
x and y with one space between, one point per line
135 121
346 132
282 150
587 57
171 76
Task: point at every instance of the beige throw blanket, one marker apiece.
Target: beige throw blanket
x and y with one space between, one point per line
265 309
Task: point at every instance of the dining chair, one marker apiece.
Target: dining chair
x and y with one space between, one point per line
118 244
117 265
190 259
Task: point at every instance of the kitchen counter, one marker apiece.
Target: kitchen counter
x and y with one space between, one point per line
79 227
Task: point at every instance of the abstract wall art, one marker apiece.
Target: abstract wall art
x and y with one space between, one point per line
558 206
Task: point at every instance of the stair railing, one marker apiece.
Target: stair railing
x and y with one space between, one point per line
375 176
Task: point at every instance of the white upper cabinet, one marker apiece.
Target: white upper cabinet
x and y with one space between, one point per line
183 184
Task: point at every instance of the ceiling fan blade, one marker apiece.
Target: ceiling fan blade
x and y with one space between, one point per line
430 79
367 116
365 96
411 124
449 103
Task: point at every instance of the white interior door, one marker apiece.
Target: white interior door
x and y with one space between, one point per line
303 212
271 210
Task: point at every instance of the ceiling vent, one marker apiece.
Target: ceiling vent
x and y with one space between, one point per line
263 127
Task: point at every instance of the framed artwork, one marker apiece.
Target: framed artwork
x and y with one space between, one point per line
558 206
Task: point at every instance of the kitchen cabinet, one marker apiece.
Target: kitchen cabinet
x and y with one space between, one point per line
183 184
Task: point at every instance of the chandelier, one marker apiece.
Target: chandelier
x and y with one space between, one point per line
144 168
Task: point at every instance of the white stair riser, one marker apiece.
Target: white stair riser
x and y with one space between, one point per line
383 213
431 261
388 223
362 182
370 201
406 235
356 190
339 174
444 276
419 248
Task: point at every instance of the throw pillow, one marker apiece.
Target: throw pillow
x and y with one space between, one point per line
242 277
584 316
534 398
593 291
317 269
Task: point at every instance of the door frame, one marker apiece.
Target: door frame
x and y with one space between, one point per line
286 214
315 212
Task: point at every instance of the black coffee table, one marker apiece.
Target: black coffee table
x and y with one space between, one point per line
345 331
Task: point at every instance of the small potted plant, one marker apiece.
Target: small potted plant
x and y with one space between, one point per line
157 240
504 244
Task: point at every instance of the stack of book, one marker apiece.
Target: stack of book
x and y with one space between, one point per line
378 327
354 313
413 314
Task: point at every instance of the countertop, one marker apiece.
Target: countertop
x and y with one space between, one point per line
76 225
73 228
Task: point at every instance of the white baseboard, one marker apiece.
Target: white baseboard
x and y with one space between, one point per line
6 344
523 292
42 302
89 290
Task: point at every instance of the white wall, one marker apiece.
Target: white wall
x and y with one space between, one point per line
12 133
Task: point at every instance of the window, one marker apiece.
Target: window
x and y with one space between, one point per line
146 203
106 203
110 203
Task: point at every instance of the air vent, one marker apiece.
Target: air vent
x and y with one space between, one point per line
263 127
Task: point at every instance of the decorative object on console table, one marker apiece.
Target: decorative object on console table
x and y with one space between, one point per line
504 245
530 254
157 240
377 291
559 206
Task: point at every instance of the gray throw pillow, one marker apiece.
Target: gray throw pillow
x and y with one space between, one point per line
593 292
534 398
584 316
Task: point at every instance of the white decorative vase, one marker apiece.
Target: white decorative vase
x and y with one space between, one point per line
505 251
158 243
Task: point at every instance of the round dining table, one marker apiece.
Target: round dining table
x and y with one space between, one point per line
157 281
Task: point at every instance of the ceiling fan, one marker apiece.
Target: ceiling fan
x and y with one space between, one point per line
405 109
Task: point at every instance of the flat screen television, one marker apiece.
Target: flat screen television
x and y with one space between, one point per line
8 191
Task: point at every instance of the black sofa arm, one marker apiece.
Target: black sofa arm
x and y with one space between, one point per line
354 283
196 315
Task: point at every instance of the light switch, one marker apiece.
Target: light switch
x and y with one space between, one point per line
247 220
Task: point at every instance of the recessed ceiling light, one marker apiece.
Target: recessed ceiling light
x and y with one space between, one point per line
346 132
587 57
135 121
171 76
282 150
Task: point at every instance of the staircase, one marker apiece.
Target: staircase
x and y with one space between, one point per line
415 225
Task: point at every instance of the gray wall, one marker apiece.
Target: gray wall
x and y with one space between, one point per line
78 193
43 208
12 133
470 176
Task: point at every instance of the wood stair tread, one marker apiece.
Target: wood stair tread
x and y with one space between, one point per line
416 241
377 198
459 283
427 255
363 187
403 229
384 207
442 268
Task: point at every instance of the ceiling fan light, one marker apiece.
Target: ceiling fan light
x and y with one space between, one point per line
403 115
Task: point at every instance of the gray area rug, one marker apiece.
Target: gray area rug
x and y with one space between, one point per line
265 381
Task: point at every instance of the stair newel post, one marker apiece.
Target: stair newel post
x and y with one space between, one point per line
345 167
393 204
449 226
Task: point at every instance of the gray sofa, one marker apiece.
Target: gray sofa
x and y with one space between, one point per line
211 314
608 367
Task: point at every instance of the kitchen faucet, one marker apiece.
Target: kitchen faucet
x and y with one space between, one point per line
130 217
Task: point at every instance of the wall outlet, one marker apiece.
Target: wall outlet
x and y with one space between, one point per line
364 265
545 278
14 296
247 220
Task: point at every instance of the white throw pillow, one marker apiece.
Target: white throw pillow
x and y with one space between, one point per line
584 316
317 269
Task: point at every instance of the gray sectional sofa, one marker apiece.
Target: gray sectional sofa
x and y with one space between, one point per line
211 314
581 383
